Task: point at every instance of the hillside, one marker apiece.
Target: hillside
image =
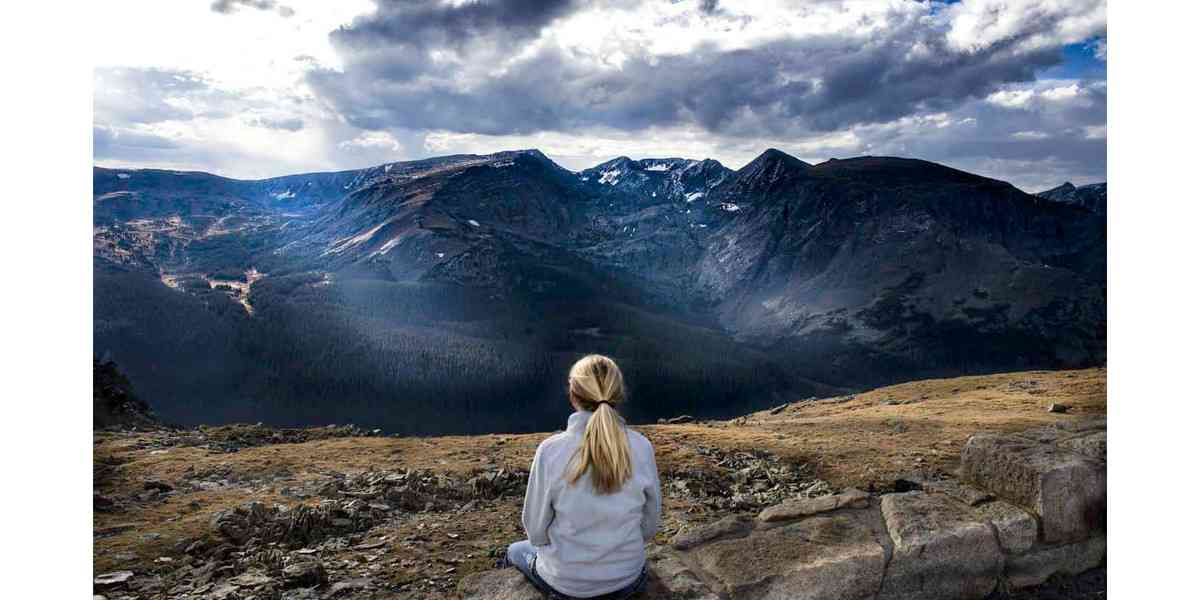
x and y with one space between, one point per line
412 516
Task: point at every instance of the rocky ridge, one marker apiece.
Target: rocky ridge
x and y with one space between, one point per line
1031 506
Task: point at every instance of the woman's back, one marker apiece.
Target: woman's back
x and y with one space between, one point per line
590 543
593 499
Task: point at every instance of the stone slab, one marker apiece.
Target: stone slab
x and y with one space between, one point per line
499 584
1064 489
803 507
832 555
942 550
1036 566
1016 529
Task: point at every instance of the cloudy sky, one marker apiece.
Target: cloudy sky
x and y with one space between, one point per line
1014 89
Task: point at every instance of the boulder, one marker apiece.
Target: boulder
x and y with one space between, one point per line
305 573
803 507
500 584
733 525
941 549
1016 529
1066 490
1036 566
834 555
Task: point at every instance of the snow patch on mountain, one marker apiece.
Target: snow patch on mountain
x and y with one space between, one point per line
610 177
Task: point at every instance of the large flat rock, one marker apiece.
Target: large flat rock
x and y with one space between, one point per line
941 549
1065 489
1036 566
832 555
500 584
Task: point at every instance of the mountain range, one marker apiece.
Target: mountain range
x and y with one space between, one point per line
449 294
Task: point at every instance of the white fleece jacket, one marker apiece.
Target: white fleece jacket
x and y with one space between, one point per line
590 544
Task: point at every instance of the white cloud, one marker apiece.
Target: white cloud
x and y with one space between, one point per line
1031 24
373 140
1011 98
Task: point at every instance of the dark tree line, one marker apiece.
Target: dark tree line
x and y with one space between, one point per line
409 357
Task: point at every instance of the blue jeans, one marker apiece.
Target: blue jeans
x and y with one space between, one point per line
523 556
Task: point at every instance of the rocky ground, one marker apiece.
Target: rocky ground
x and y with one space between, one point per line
254 512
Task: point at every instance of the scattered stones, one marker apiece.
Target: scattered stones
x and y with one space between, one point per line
941 549
743 481
803 507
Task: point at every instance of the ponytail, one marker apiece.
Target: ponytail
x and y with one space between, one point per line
596 384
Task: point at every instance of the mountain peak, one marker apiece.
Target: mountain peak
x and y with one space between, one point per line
771 166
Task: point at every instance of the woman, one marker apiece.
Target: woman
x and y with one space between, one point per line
593 499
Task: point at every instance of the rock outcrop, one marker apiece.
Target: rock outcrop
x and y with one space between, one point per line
1031 506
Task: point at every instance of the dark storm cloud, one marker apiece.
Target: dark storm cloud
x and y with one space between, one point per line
812 84
432 23
227 7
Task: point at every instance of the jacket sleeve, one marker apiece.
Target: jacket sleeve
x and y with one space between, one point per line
652 509
539 508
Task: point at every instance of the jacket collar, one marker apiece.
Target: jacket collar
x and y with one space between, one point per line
578 421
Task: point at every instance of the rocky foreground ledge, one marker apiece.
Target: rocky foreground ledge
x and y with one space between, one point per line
1026 506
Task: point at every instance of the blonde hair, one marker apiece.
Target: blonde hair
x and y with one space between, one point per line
595 384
